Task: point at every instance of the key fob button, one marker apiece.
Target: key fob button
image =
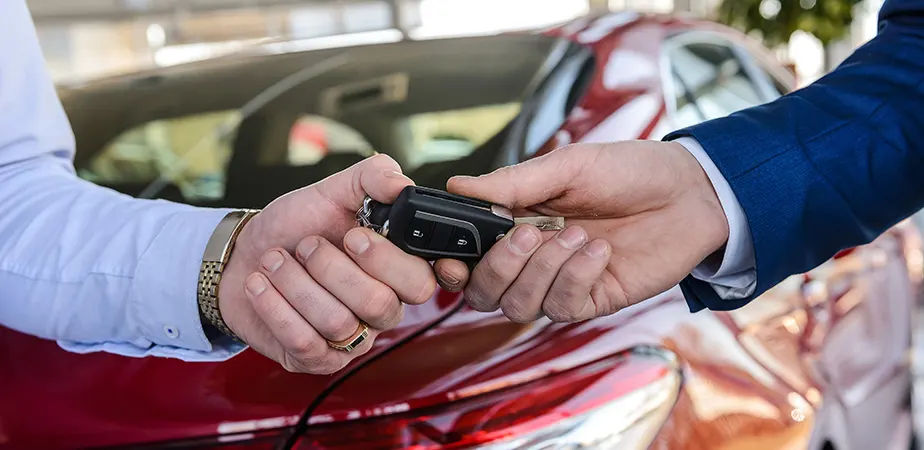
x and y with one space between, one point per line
419 233
462 241
441 234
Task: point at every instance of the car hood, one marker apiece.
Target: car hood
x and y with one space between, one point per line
56 399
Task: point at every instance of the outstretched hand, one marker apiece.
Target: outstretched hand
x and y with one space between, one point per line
640 216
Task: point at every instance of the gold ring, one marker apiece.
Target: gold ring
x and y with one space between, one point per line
347 345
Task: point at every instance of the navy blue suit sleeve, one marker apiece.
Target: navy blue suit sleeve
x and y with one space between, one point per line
830 166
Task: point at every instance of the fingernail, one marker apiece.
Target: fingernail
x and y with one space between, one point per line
254 285
449 280
305 248
572 237
272 260
356 241
597 248
524 240
393 174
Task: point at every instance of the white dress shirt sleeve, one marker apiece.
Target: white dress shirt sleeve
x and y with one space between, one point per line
81 264
734 275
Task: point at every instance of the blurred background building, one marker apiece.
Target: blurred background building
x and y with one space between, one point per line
92 38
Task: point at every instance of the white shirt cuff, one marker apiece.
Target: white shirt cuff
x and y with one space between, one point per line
735 276
163 306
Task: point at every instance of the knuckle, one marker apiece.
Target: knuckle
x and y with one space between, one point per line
307 350
543 265
295 364
395 318
341 323
493 269
516 309
381 304
477 298
608 297
559 310
351 279
279 316
304 297
570 275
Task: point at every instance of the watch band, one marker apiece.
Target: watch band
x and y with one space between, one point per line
216 255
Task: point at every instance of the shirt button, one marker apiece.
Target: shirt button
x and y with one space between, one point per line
171 331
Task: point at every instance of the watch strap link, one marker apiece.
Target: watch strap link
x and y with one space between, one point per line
214 259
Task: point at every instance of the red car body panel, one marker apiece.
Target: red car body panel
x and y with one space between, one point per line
753 378
102 399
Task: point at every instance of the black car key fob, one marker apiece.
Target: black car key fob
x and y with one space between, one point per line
435 224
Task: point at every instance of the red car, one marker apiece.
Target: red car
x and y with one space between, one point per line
818 362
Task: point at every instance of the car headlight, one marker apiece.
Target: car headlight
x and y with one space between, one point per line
617 402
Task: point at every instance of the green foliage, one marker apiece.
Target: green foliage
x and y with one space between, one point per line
827 20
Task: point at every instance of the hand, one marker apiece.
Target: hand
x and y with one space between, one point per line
290 285
641 215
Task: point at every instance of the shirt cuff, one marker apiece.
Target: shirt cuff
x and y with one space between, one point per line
163 299
734 276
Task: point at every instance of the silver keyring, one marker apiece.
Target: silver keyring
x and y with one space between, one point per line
363 218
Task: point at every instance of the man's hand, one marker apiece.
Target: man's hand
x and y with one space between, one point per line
641 215
302 273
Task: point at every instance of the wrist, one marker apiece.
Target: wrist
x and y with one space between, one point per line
703 201
217 269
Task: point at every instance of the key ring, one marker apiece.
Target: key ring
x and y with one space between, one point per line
364 218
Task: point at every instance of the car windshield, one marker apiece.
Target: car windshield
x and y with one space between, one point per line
436 104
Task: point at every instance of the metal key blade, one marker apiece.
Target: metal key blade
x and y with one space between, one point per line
543 223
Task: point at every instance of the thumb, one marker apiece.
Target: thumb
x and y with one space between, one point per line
378 176
524 184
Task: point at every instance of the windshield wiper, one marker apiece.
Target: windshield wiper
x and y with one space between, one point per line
222 130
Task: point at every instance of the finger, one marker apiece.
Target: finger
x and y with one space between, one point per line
313 302
304 349
569 298
248 326
500 267
410 277
368 298
608 295
378 176
523 300
525 184
451 274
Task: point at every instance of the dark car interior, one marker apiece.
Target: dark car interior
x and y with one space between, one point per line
378 93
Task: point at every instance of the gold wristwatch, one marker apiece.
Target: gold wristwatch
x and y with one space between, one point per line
214 259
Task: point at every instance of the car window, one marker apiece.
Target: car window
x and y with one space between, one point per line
313 137
715 77
686 111
557 97
190 152
454 134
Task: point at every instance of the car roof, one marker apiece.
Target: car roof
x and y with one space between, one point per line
273 59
